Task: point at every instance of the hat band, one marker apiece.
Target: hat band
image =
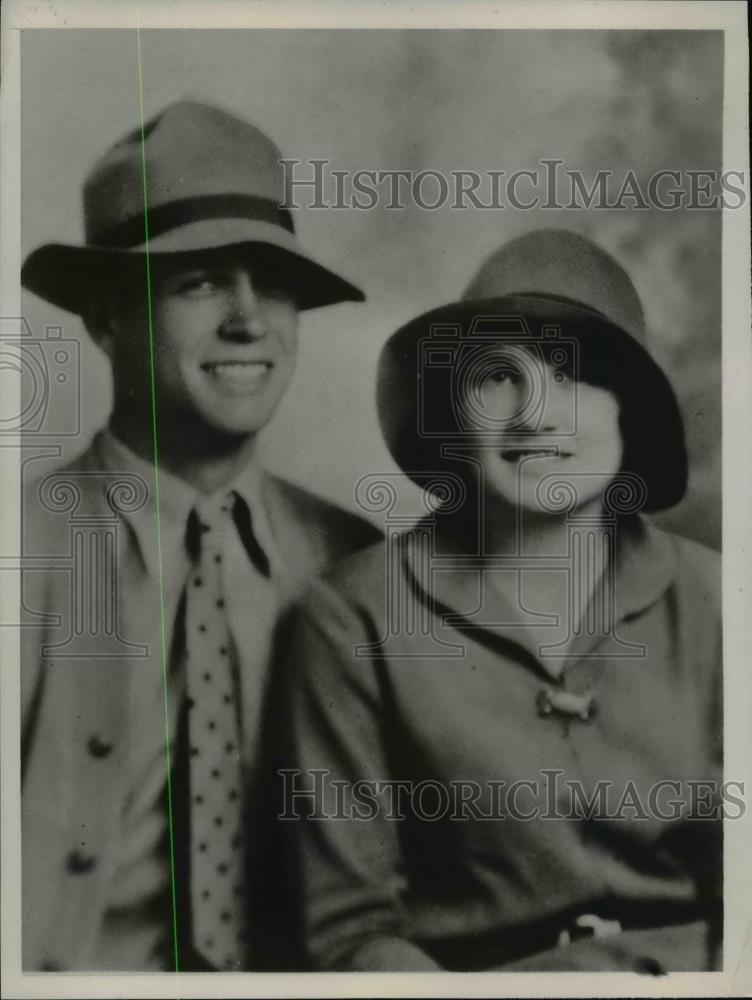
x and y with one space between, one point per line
132 232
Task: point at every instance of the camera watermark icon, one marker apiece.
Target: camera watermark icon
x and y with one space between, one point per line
48 368
463 369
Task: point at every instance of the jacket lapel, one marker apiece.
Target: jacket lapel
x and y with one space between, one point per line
295 537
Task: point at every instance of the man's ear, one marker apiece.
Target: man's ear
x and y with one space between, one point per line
100 319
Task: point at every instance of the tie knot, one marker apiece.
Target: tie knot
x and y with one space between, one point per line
208 515
214 509
207 520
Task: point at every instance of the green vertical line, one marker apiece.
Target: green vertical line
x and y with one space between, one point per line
155 443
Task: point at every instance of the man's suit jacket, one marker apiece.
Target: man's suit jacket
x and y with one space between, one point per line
76 727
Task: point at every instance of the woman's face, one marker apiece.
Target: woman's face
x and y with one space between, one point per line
543 441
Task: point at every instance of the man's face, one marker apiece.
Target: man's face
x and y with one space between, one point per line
532 409
224 330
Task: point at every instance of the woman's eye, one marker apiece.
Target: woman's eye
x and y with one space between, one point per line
502 375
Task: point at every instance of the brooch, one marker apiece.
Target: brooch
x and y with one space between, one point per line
581 706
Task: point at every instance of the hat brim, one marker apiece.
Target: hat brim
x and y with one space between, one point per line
411 396
66 275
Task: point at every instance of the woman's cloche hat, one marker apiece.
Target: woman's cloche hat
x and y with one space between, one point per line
549 279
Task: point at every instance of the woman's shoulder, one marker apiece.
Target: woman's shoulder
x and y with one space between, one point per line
360 585
695 558
698 568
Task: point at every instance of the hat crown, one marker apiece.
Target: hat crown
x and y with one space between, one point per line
563 264
189 150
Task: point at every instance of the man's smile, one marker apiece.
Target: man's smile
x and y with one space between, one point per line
238 374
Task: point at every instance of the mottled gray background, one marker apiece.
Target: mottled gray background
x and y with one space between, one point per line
412 99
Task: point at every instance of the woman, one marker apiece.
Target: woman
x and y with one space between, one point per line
500 723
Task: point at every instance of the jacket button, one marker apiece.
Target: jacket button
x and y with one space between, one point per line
79 863
99 747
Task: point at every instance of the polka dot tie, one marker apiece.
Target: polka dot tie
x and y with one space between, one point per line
217 859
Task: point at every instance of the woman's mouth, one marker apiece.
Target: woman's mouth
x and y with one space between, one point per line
518 454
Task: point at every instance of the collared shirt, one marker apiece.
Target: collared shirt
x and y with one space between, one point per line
405 668
137 926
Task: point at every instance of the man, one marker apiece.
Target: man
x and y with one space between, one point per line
146 667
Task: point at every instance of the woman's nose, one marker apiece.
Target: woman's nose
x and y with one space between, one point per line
543 401
557 403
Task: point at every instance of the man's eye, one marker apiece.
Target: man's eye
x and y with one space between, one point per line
271 289
199 285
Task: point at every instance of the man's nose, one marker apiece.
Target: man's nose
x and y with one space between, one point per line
245 317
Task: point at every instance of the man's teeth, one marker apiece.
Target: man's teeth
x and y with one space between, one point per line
240 376
249 366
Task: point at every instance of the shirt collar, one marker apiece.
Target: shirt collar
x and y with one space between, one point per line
176 500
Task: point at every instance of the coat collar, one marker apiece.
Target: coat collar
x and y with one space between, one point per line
451 582
176 499
295 533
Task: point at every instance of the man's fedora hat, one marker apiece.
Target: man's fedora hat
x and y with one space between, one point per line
548 279
194 178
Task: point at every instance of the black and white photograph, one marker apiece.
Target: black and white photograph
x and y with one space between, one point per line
376 490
